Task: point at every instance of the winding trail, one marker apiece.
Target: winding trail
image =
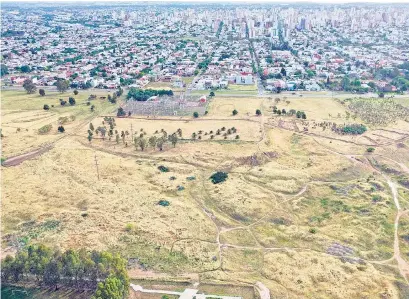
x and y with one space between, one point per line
402 264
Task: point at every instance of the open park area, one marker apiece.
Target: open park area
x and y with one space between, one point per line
308 196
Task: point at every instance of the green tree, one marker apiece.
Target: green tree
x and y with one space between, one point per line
62 85
152 141
41 92
3 70
141 142
283 72
75 92
195 114
25 69
345 83
173 139
29 86
235 112
52 274
258 112
121 112
71 264
211 94
111 288
160 142
71 100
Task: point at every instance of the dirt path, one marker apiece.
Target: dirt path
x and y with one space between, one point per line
402 264
13 161
263 291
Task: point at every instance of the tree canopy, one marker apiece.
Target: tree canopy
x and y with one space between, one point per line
143 95
79 269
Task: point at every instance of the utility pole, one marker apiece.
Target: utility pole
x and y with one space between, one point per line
96 164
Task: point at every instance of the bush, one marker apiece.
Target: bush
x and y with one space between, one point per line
129 227
71 100
46 107
354 129
312 230
191 178
163 203
61 129
258 112
370 149
235 112
163 168
45 129
121 112
41 92
218 177
76 92
195 114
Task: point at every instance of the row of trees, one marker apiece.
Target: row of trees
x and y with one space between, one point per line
291 112
30 87
143 95
79 269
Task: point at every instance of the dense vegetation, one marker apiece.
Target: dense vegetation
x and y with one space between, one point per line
103 271
354 129
218 177
143 95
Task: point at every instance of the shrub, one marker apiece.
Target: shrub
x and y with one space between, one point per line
354 129
129 227
235 112
45 129
163 168
258 112
121 112
312 230
41 92
218 177
206 112
71 100
195 114
191 178
376 198
370 149
237 137
75 92
163 203
46 107
61 129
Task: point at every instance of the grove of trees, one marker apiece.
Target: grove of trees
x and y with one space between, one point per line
78 269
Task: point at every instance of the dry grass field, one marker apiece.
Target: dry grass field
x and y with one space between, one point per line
310 214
